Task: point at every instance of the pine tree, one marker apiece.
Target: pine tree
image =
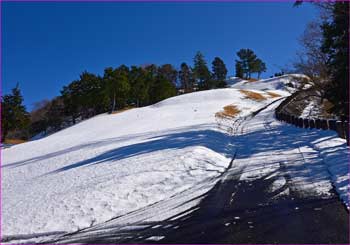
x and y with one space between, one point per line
239 69
219 73
258 67
139 86
169 73
186 78
117 87
201 72
71 100
13 113
92 100
247 59
161 89
248 64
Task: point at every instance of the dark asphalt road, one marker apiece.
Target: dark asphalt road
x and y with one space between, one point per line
245 212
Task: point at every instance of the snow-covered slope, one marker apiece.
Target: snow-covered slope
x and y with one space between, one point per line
110 165
275 83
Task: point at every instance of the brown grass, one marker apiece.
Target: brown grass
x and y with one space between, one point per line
252 95
252 80
14 141
122 110
230 111
273 95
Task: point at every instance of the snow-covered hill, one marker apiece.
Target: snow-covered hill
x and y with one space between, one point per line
276 83
110 165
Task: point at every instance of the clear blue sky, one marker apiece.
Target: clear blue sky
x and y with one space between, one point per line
47 45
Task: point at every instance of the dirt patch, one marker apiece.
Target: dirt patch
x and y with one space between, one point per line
230 111
14 141
273 95
252 95
122 110
252 80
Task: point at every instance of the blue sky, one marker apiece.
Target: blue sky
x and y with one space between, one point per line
47 45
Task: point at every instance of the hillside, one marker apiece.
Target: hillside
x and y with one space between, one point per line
113 164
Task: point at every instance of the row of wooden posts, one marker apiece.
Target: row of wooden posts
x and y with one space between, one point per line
341 127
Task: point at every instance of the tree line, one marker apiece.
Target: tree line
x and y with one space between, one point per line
116 89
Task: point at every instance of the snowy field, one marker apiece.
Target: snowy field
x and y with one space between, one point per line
111 165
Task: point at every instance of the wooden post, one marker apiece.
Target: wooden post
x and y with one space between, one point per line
331 124
318 123
340 129
312 123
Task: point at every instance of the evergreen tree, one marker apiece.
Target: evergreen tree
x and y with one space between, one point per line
71 100
219 73
186 78
13 113
336 46
152 70
139 91
258 67
247 59
201 72
91 95
169 73
239 69
161 89
117 87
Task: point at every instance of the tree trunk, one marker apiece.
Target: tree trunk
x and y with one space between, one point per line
3 136
113 105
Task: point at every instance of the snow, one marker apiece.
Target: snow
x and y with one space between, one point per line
275 83
281 148
124 168
113 164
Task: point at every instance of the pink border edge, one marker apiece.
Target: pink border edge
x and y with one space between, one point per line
160 1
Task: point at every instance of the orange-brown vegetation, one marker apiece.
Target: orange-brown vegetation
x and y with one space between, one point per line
252 80
14 141
252 95
230 111
122 110
273 95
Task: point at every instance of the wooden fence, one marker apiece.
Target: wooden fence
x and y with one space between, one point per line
341 127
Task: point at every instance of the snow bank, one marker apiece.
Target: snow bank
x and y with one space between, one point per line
336 155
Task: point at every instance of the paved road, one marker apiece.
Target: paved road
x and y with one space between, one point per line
244 212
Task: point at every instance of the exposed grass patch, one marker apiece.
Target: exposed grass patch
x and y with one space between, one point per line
252 95
14 141
122 110
273 95
230 111
252 80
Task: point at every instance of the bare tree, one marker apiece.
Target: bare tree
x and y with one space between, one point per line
311 61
